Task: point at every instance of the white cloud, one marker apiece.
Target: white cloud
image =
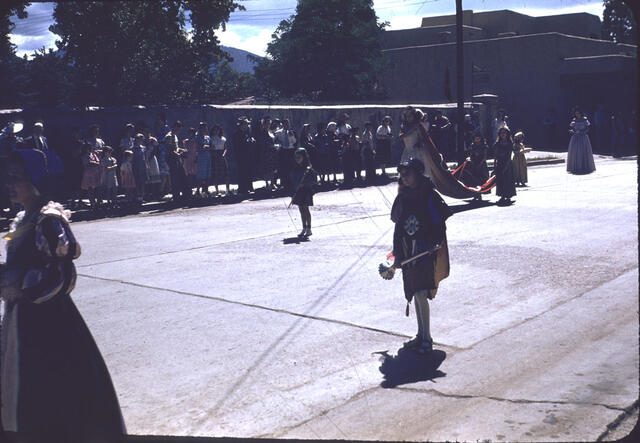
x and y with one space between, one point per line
404 22
250 38
27 44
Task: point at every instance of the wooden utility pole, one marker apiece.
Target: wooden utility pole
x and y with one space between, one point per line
460 84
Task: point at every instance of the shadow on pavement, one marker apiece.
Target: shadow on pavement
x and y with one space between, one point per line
410 367
472 204
294 240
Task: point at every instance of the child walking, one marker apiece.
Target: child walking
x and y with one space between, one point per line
419 214
303 179
127 178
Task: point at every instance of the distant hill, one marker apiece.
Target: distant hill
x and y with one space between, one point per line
240 61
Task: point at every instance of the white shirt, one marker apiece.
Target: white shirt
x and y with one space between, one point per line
218 143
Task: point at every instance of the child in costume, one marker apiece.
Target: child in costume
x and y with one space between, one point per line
419 214
303 179
519 161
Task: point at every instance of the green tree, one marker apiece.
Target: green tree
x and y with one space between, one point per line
329 51
619 23
47 79
11 67
125 52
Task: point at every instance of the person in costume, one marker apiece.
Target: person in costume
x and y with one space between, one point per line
419 214
55 385
519 160
303 178
505 182
580 154
412 139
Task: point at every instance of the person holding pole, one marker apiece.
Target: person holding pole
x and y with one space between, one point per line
419 245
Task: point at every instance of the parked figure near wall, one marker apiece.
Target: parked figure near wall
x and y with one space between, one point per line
268 153
368 153
322 142
127 139
600 129
203 159
127 178
580 155
241 142
93 138
384 136
92 173
287 139
618 133
55 384
503 170
190 160
156 181
110 176
72 159
307 142
140 167
175 154
220 158
335 151
55 181
519 161
356 151
501 121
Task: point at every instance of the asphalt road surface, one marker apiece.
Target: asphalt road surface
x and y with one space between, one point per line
212 323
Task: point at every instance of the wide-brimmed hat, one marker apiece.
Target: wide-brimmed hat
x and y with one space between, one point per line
13 128
411 163
518 134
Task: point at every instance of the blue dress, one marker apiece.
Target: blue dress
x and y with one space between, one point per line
204 158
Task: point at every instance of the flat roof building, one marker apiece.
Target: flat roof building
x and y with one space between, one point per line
531 64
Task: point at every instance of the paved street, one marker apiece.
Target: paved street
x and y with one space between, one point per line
212 325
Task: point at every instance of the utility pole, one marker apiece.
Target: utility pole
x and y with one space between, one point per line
460 84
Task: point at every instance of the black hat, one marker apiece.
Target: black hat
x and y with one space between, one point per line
412 163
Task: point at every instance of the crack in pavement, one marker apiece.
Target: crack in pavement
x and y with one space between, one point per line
510 400
257 306
211 245
626 412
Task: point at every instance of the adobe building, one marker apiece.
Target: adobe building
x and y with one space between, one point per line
531 64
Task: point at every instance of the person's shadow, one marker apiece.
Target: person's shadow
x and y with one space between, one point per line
408 366
294 240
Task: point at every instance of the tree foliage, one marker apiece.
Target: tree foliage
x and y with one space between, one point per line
619 23
329 51
10 66
135 52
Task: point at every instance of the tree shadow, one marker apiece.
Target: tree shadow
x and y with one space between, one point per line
408 366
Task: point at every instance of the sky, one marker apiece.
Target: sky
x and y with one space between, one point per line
251 30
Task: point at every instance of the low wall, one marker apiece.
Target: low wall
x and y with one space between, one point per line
58 122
